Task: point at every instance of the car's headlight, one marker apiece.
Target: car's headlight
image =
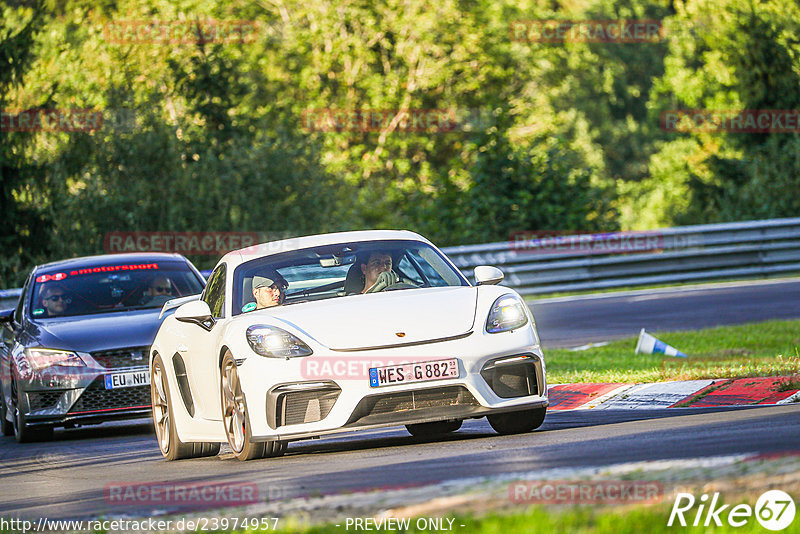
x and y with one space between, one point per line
507 313
41 358
275 342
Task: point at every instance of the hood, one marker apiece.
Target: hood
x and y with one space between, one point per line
99 332
374 320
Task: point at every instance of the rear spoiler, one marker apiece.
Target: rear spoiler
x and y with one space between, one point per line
174 303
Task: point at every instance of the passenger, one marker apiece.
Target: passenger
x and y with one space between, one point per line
269 290
55 300
377 272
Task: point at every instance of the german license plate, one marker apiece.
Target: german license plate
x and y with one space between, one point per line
406 373
128 380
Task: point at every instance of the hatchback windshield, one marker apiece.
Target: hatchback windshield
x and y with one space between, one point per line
72 291
340 270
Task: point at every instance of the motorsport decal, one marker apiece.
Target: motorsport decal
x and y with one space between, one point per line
94 270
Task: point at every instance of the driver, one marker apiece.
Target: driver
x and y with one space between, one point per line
55 300
158 292
269 290
377 271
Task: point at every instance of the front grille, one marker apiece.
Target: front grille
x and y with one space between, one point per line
116 358
426 398
384 408
305 406
97 397
44 400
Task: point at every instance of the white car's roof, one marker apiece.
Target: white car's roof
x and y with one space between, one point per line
236 257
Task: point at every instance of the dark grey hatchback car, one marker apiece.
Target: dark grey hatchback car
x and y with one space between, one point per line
74 350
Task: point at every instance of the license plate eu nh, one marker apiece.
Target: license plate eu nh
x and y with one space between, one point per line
405 373
127 380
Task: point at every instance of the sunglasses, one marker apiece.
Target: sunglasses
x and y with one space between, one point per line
273 286
58 297
161 289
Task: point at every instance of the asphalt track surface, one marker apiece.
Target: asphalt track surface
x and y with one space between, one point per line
572 321
67 477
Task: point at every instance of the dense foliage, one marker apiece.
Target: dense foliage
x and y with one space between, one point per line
218 133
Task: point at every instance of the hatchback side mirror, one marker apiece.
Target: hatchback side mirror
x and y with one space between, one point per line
486 275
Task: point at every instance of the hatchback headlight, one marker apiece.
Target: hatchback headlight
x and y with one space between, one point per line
42 358
275 342
507 313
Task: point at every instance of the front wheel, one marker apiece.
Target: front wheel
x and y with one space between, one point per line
172 448
23 432
5 425
234 417
517 422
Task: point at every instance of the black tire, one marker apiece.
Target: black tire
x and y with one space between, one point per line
517 422
172 448
437 428
235 420
6 426
23 432
274 449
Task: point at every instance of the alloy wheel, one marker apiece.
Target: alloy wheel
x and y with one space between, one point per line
161 407
233 407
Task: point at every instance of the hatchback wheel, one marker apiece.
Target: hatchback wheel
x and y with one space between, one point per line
6 426
24 432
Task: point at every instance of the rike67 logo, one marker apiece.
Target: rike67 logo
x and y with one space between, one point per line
774 510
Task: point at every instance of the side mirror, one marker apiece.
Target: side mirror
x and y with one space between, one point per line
486 275
174 303
7 316
196 312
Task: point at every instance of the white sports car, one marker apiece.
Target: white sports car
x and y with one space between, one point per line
331 333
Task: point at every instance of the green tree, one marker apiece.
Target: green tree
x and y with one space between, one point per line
730 55
541 186
24 219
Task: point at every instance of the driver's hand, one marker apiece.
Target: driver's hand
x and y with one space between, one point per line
385 279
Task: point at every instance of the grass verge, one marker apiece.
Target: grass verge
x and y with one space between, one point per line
756 349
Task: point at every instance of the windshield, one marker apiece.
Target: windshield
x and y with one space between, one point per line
340 270
68 292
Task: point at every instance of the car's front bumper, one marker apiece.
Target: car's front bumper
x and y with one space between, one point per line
89 419
335 403
64 396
